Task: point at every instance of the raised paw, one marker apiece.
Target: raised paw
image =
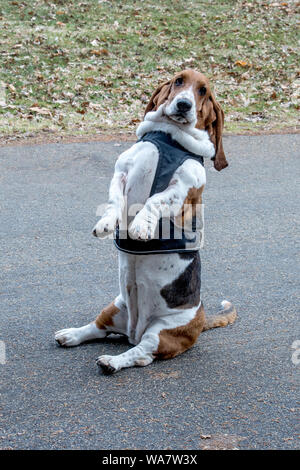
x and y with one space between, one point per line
107 364
142 228
68 337
105 227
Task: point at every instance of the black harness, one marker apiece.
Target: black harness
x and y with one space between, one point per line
171 156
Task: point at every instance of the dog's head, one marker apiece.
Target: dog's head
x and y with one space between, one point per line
188 99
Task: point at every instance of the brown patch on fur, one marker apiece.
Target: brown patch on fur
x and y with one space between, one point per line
105 318
189 208
211 118
223 318
175 341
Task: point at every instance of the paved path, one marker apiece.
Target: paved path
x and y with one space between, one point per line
237 385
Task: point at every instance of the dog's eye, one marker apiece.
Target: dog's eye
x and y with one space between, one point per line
179 81
202 90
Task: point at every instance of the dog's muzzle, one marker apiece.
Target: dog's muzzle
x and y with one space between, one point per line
184 105
181 109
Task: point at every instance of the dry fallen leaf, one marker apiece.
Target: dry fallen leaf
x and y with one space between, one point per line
247 70
44 111
242 63
89 80
99 52
95 106
135 121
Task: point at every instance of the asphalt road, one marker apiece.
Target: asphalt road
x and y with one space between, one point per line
238 386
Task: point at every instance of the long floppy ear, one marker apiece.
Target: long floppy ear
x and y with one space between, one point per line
159 96
212 120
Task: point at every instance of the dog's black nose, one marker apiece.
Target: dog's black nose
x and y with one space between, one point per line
94 233
184 105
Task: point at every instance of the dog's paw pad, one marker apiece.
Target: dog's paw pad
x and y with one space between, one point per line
107 369
104 362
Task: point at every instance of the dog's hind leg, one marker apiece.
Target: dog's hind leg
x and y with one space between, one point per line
140 355
112 319
75 336
148 348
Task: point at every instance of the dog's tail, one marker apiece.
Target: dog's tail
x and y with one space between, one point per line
226 316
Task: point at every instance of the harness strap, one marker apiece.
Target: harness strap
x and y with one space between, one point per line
171 156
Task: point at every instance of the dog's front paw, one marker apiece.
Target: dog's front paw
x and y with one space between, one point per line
107 364
142 227
106 226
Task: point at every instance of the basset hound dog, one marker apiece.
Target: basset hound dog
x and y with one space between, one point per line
159 307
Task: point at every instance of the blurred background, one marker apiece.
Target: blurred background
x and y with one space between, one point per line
84 68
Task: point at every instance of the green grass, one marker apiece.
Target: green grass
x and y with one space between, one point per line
80 68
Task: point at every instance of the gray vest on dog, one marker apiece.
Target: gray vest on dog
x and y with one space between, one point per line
171 156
